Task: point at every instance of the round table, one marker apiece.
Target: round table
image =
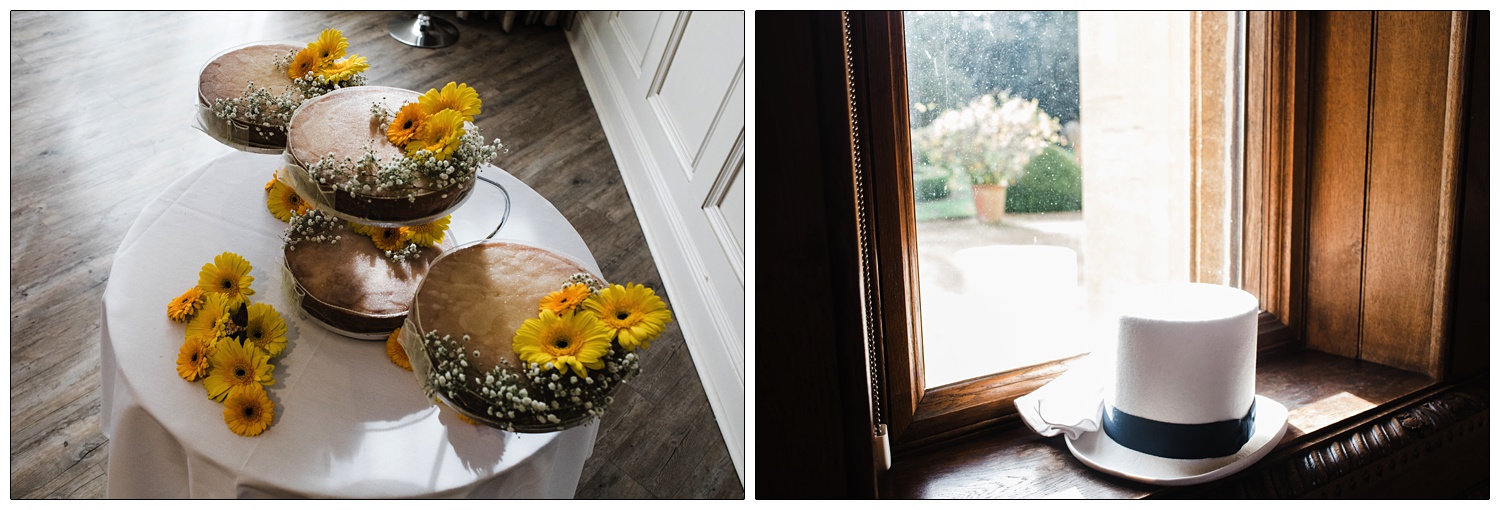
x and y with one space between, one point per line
348 422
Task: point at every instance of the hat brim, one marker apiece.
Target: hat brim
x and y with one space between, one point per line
1101 452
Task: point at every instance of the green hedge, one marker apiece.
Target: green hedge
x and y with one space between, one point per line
931 183
1053 182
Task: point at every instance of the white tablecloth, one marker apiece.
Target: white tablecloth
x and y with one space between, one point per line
349 423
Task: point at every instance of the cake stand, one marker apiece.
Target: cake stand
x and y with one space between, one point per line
479 216
349 423
424 31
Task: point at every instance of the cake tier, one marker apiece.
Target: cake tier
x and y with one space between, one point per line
228 74
486 291
352 286
340 124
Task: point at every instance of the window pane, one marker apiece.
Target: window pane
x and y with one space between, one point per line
1022 233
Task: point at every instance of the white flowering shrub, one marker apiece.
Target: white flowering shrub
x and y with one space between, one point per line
990 140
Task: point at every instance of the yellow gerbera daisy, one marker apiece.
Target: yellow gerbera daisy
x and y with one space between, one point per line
271 183
229 274
249 411
344 69
282 200
432 233
266 329
407 124
565 300
439 135
234 364
209 322
395 351
305 62
362 229
330 46
390 238
571 340
459 97
183 307
192 358
634 312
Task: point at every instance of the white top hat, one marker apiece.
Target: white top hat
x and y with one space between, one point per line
1180 407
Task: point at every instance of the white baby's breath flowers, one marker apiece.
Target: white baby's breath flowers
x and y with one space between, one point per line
381 114
312 85
314 226
404 254
505 394
594 284
259 108
407 176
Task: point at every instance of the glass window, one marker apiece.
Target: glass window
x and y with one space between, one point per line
1059 158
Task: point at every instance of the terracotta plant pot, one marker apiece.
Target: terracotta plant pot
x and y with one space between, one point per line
989 202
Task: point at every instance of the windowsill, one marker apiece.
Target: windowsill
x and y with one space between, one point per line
1319 390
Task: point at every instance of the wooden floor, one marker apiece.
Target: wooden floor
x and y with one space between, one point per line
100 106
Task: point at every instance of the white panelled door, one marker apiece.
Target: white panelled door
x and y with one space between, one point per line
669 87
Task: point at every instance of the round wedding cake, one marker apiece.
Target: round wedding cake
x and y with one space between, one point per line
228 76
468 315
353 286
486 291
340 127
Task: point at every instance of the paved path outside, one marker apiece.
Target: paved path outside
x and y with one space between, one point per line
998 297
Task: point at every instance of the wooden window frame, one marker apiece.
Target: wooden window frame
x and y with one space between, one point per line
918 417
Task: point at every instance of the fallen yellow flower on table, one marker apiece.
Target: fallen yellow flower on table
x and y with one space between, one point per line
183 307
210 321
228 274
248 410
233 364
192 359
265 329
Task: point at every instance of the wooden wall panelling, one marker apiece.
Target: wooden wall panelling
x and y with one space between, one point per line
1470 352
1338 147
1407 177
1257 64
1275 183
1450 215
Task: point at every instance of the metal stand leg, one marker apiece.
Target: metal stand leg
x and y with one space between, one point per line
424 31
